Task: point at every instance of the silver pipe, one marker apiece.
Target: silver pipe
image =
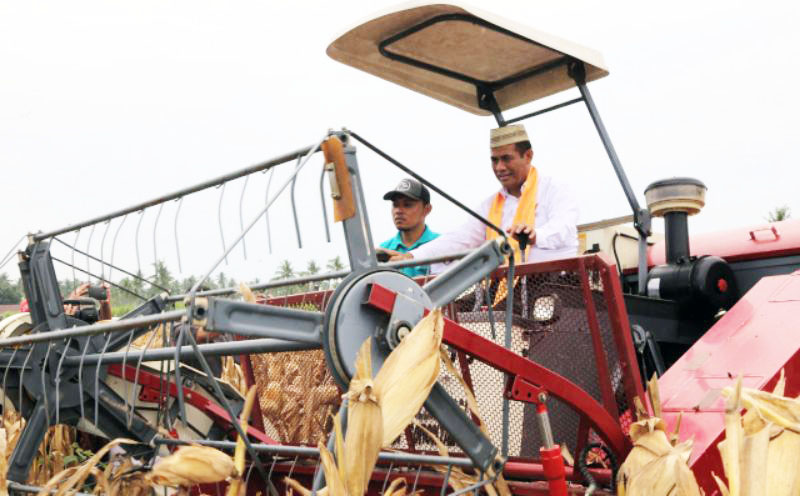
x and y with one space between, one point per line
323 277
177 194
311 151
281 449
261 345
91 330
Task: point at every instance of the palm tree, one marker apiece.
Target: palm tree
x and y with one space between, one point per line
779 213
285 271
335 264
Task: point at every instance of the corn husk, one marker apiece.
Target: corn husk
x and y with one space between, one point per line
657 465
364 437
237 486
73 478
761 450
192 465
390 401
3 463
408 375
500 486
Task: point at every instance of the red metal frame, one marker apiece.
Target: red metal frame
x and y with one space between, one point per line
744 243
494 355
756 338
603 418
154 390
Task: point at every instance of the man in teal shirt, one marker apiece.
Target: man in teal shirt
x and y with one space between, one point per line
411 203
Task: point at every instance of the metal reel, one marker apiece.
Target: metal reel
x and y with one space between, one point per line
348 322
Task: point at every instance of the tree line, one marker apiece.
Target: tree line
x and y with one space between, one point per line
129 292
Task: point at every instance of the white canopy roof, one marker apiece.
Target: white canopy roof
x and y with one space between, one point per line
444 50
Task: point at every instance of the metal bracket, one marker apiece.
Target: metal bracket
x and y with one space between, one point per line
330 169
465 273
263 321
487 101
519 389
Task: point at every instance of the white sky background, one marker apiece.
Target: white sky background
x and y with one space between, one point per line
106 104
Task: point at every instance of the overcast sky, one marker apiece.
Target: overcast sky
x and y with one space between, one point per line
106 104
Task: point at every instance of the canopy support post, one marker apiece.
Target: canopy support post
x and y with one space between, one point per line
641 216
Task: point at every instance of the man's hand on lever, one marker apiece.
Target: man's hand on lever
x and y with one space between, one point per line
520 230
394 256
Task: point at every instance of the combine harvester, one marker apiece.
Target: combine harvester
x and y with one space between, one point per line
554 364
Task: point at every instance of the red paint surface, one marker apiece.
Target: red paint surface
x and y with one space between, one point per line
756 338
744 243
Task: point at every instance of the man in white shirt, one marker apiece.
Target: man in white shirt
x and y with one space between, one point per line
528 203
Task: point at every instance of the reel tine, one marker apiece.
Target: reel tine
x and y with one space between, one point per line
446 481
294 206
272 467
42 376
324 208
80 374
74 244
97 379
266 213
102 247
138 259
317 481
5 379
162 379
178 381
175 229
58 378
291 469
88 249
155 237
114 245
219 221
139 366
386 479
128 414
416 479
241 215
247 477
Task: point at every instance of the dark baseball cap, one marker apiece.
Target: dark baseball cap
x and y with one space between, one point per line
410 188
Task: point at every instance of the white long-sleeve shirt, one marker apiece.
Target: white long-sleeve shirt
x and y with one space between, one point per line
556 220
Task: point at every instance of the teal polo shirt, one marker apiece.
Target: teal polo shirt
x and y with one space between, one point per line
396 244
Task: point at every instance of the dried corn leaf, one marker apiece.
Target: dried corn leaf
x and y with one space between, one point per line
753 462
408 374
732 445
192 465
73 478
650 442
655 395
364 437
666 475
3 462
762 447
783 478
335 484
237 486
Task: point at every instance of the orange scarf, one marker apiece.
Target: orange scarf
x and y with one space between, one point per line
525 214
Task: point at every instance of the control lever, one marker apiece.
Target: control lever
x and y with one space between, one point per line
382 255
523 240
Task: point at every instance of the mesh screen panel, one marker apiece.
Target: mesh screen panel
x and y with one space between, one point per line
550 326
